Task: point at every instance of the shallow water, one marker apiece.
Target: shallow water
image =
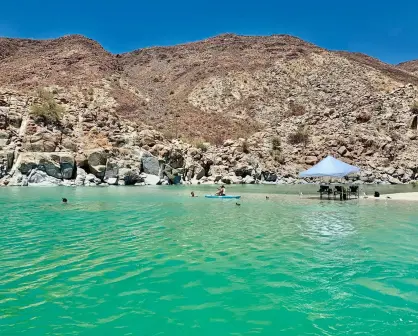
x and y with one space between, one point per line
153 261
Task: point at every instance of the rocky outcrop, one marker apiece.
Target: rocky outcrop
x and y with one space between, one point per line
42 178
97 160
150 164
57 165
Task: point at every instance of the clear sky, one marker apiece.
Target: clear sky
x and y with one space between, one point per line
384 29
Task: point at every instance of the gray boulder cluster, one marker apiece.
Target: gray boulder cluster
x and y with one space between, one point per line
96 167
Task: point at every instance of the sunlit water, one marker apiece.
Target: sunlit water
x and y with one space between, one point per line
153 261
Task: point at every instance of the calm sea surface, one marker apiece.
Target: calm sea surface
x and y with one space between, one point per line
153 261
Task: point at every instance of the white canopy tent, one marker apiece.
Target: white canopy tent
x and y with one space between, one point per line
330 167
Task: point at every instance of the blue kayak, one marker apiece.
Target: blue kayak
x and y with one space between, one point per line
223 197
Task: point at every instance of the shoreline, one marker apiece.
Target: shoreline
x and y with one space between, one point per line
403 196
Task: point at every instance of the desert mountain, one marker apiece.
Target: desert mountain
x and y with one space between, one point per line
277 104
411 66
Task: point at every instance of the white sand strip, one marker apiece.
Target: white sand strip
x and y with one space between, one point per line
409 196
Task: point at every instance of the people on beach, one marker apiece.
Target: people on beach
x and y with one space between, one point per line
221 191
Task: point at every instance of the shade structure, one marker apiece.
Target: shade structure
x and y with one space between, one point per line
330 167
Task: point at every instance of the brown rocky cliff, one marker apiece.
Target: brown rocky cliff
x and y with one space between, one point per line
255 90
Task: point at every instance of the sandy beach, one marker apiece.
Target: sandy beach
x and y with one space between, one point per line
408 196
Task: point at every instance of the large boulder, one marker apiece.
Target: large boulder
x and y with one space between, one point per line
150 164
393 180
91 180
51 165
151 179
269 176
148 138
176 159
243 170
199 172
80 177
311 160
248 180
4 138
217 171
57 165
112 170
43 141
67 164
6 158
112 181
227 179
16 179
69 143
41 178
28 161
129 176
97 160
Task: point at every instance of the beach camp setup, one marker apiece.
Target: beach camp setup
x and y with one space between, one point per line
330 167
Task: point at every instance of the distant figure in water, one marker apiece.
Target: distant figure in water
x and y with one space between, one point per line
238 204
192 194
267 198
64 200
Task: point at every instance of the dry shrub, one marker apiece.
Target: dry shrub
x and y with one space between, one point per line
202 146
414 108
279 157
296 110
48 110
217 140
245 147
277 143
301 136
363 117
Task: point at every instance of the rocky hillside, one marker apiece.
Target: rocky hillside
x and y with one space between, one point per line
411 66
230 108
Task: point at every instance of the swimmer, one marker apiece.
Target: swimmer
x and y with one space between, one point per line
64 200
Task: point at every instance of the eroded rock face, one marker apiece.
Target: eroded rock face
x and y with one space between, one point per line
80 177
67 164
129 176
112 170
39 177
42 141
97 160
57 165
150 164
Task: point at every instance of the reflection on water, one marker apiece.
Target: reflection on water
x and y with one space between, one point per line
153 260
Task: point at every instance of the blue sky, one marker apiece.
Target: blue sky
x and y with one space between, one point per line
384 29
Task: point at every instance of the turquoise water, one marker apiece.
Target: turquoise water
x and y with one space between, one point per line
153 261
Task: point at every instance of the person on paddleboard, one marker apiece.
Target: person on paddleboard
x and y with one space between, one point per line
221 191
